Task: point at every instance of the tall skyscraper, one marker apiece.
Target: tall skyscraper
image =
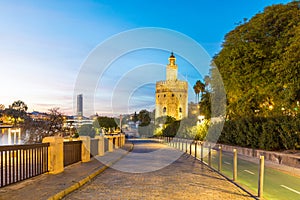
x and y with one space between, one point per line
79 105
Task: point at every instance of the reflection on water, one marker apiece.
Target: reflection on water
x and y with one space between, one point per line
10 136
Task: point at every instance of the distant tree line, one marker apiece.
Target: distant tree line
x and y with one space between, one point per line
34 130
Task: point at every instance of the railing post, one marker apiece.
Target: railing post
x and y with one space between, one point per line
181 144
85 148
55 154
100 144
234 164
174 142
209 155
220 159
261 176
190 148
186 146
195 149
202 148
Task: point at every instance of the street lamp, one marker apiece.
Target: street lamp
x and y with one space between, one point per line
200 119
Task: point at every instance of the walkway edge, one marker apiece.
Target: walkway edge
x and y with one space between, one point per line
227 178
82 182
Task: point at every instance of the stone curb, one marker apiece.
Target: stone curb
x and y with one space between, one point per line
82 182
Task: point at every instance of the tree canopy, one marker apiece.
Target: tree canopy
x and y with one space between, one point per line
260 68
105 122
260 64
144 118
16 112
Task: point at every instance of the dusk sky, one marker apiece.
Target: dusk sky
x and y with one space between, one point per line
43 45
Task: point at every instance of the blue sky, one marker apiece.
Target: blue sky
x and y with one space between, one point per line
43 45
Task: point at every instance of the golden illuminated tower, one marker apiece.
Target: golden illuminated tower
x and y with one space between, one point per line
171 94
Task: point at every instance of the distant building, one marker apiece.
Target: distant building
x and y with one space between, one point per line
79 105
171 94
36 115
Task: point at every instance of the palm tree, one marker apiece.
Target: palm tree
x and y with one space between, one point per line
199 87
197 91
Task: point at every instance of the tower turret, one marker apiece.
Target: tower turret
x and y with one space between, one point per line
172 68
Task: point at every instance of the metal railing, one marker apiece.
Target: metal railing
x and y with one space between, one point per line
20 162
214 157
72 152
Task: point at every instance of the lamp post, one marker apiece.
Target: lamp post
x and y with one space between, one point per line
200 119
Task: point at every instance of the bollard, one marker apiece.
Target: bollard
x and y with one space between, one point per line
201 145
234 164
180 144
209 155
186 146
196 149
190 148
220 159
261 176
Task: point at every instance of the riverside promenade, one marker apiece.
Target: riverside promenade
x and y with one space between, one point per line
184 178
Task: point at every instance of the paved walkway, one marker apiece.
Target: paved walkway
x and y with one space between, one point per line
47 185
184 178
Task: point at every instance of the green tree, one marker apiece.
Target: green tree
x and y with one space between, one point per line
260 65
144 118
105 122
135 117
87 130
260 68
171 130
205 105
199 88
17 112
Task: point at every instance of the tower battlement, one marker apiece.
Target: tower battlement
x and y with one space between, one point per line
171 94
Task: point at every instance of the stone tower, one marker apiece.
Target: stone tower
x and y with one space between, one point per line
171 94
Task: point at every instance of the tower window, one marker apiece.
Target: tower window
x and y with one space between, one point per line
172 95
165 109
164 95
180 109
157 95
